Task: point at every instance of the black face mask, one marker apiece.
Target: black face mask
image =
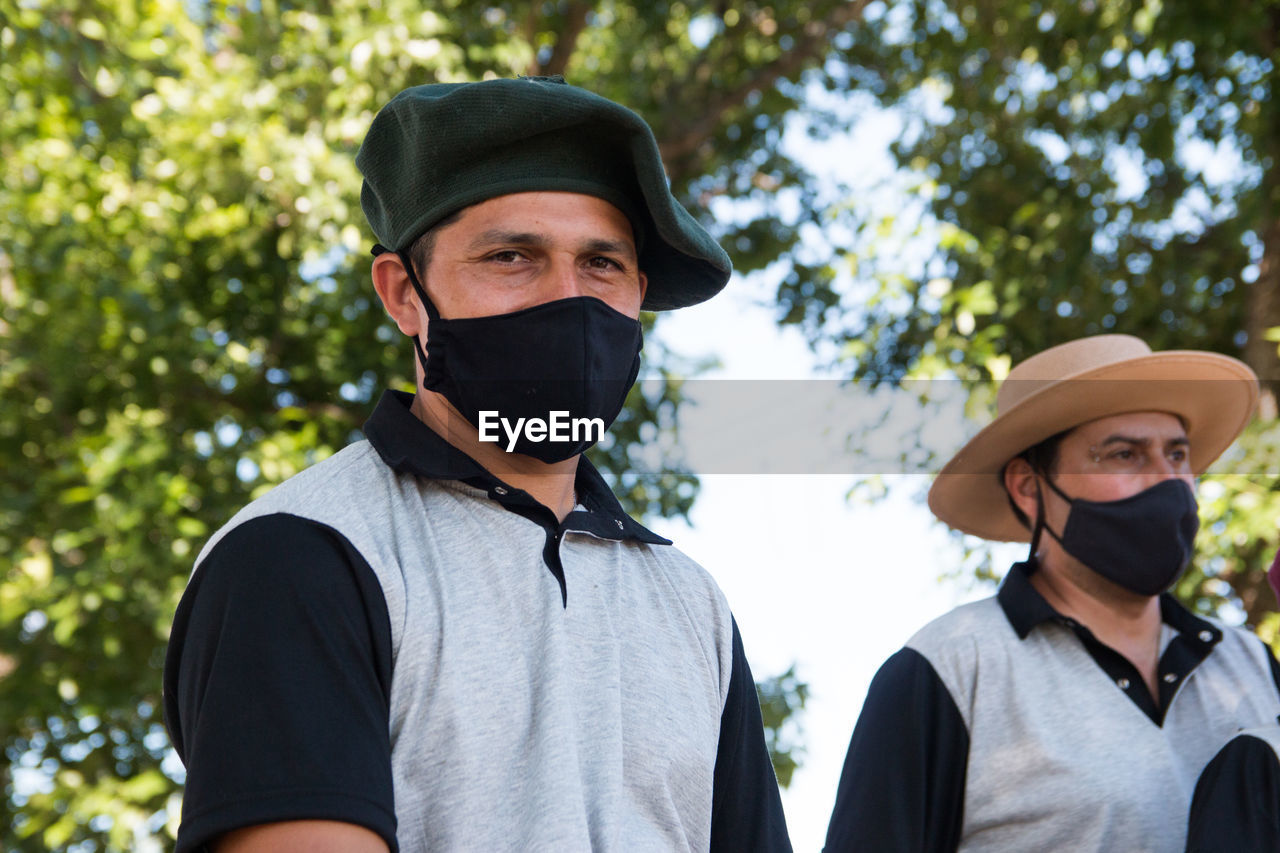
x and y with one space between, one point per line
567 364
1141 543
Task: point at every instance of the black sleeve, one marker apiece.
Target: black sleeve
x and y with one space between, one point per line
902 788
1236 806
746 809
277 684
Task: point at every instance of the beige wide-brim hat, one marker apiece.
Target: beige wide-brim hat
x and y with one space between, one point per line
1081 381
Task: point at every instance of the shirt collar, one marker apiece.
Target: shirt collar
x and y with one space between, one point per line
1025 608
407 445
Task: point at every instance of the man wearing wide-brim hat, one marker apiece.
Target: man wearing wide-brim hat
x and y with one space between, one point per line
1074 709
451 636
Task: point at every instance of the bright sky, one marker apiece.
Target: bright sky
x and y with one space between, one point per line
832 586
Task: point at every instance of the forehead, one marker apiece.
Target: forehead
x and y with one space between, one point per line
546 212
1154 426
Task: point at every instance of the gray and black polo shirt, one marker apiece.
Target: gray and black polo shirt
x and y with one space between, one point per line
395 638
1004 725
1236 806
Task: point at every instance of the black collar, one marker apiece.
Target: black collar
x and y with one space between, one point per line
1025 608
408 445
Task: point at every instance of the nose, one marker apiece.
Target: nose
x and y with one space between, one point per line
563 280
1163 468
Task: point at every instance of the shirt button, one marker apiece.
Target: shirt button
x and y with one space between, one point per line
1206 636
1122 683
1169 678
618 522
499 490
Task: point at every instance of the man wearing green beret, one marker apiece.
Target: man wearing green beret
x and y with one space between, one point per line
450 636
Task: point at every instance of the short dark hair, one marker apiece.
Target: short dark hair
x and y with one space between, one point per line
1043 459
424 244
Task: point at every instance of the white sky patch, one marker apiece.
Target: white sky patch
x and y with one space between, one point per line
1125 166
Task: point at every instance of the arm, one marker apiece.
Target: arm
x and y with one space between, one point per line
1236 806
902 788
277 685
746 810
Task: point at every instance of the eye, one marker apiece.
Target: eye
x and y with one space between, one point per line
601 262
1178 454
506 256
1123 453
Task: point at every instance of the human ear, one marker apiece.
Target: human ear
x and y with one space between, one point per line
397 293
1020 483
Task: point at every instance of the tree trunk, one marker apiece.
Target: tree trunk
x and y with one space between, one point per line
1262 315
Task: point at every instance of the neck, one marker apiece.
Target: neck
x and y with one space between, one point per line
1125 621
549 483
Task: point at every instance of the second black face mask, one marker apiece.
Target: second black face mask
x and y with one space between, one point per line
568 362
1142 542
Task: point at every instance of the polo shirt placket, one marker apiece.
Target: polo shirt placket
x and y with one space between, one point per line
1194 640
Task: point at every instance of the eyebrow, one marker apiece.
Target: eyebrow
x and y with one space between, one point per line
497 237
1129 439
611 247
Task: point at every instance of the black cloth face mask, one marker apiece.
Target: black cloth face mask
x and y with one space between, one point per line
1141 543
572 360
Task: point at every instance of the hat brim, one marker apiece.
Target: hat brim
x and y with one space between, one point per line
1213 395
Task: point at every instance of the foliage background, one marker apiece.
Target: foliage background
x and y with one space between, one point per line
185 317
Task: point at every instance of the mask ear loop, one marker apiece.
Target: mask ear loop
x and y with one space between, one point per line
1039 525
430 307
1042 524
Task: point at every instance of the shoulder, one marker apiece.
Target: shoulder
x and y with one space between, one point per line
689 597
681 569
1236 638
956 644
957 629
270 564
681 580
1240 650
323 491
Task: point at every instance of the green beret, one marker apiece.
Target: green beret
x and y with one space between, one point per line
435 149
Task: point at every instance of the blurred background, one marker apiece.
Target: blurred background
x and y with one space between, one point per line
916 196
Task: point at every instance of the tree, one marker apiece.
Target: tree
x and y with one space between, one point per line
1084 167
186 318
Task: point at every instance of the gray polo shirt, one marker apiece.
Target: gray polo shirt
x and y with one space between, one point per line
1005 726
397 639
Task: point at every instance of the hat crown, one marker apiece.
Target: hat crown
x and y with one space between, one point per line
1064 361
441 147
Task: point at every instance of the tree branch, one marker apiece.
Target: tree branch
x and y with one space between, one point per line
687 137
530 29
575 21
1263 315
